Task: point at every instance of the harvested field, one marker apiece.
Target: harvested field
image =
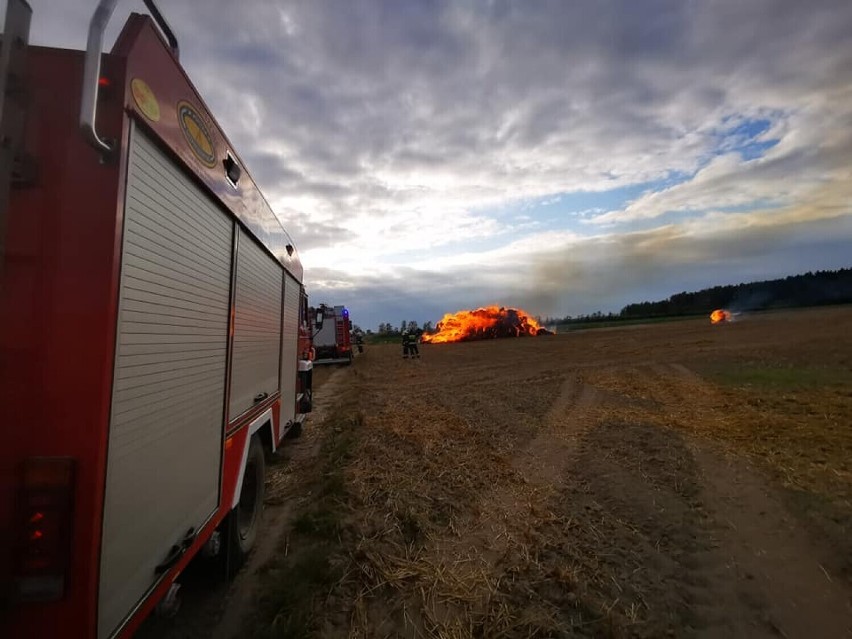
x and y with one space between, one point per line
666 480
674 479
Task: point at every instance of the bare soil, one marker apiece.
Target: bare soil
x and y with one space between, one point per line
675 479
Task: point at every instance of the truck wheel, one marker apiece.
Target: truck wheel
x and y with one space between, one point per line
244 520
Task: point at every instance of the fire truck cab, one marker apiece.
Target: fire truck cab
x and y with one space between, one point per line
153 332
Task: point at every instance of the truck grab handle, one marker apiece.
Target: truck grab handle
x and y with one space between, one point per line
92 67
164 27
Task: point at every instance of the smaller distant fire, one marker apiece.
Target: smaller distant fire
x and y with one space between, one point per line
489 322
719 315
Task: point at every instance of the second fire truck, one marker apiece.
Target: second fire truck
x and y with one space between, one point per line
333 339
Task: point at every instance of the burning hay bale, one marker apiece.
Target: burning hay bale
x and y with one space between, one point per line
489 322
720 315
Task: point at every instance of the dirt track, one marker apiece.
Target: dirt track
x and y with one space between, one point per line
674 479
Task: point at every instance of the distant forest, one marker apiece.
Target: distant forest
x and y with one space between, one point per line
811 289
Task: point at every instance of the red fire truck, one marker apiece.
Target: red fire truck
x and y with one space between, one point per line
332 341
153 332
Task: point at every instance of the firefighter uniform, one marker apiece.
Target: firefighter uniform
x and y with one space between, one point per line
409 345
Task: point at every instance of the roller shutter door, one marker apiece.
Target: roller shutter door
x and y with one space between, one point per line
289 348
257 326
166 425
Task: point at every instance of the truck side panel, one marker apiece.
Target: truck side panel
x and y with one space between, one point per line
165 438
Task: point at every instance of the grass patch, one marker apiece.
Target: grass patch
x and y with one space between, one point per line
291 591
794 419
580 325
761 376
296 583
383 339
317 523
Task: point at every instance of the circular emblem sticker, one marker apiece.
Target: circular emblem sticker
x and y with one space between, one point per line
196 133
145 99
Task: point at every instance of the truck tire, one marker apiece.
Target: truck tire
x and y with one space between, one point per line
244 520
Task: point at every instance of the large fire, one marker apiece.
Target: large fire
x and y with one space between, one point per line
484 323
718 316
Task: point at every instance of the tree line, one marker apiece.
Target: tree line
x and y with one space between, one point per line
818 288
386 329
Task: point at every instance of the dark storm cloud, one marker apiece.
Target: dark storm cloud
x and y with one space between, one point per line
409 294
610 271
605 274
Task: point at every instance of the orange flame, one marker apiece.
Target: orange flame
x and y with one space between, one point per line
484 323
719 315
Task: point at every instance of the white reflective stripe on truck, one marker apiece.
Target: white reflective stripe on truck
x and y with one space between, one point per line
256 425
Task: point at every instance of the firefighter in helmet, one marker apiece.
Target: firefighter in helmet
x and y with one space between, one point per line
405 344
409 345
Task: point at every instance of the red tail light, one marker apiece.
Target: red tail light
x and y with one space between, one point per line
45 528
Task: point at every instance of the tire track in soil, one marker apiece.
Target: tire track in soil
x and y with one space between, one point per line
761 554
656 531
638 543
728 560
540 464
764 563
763 558
523 531
495 544
542 461
630 527
651 526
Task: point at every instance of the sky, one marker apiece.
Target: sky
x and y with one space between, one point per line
560 157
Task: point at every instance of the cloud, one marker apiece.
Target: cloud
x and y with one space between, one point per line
388 136
602 273
813 150
451 107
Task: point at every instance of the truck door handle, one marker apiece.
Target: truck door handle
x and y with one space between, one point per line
260 397
176 552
